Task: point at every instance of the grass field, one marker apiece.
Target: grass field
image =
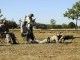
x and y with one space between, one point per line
65 51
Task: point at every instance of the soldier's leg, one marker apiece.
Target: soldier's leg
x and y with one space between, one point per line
43 41
32 37
27 38
13 38
8 39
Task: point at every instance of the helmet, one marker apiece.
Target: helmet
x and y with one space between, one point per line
58 33
31 15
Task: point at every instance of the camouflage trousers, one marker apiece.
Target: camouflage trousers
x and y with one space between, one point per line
11 39
8 39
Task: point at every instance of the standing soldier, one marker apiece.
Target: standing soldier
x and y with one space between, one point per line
30 23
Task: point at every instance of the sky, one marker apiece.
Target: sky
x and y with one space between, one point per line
43 10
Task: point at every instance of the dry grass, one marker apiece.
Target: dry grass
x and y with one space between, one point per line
70 51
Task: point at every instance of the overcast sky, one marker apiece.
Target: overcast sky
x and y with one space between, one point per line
43 10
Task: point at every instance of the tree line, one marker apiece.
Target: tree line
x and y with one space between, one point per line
71 25
10 23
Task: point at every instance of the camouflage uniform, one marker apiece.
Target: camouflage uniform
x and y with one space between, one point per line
23 28
24 31
30 26
49 40
4 32
55 38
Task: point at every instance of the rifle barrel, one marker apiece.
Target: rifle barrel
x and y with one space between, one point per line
77 37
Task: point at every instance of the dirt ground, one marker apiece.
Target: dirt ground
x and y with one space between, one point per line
61 51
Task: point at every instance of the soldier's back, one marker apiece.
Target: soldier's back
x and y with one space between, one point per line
1 27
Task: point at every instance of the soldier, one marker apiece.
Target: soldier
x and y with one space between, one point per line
55 38
30 23
4 32
24 31
49 40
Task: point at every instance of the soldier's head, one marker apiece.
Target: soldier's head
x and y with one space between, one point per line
31 15
58 33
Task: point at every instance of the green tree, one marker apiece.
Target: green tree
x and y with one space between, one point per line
11 24
58 26
41 26
20 21
0 16
53 22
71 25
74 12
